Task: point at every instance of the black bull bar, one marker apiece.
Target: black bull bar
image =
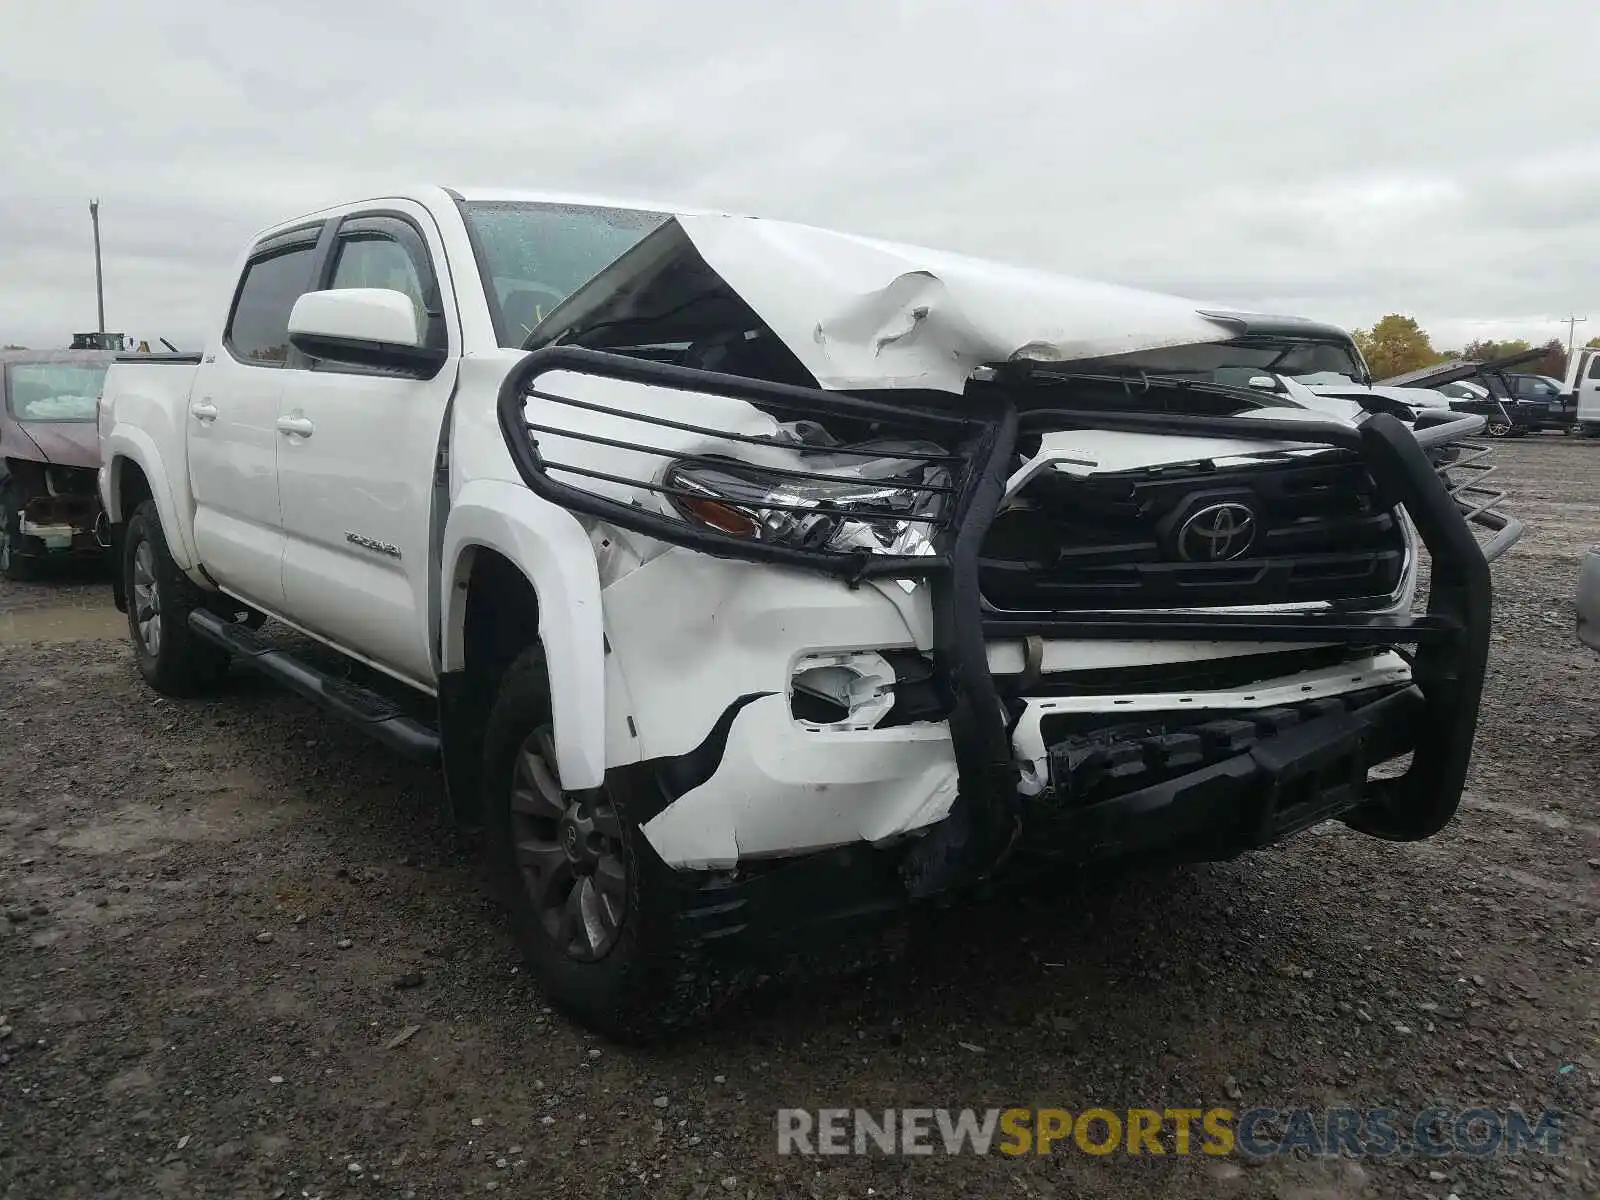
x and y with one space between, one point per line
1286 782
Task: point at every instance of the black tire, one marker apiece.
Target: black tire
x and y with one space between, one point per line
176 662
1498 427
644 984
15 566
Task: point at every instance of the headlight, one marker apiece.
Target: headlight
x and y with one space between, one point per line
882 505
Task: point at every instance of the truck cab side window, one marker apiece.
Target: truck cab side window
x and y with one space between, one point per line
258 330
377 262
1594 367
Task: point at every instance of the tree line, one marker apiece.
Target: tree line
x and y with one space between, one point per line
1397 344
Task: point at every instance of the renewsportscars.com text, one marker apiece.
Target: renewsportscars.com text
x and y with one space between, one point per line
1255 1132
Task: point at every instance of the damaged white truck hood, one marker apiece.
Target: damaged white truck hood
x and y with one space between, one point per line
861 313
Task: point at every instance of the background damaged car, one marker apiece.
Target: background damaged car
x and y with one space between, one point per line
49 455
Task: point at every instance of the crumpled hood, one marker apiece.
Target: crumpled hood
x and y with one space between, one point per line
861 313
64 443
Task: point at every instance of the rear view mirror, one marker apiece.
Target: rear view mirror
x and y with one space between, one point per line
365 327
1266 383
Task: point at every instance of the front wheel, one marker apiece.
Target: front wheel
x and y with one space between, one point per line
1498 427
170 655
592 907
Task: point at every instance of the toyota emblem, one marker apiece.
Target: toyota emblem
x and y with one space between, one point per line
1217 533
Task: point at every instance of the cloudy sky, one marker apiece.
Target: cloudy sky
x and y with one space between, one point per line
1339 159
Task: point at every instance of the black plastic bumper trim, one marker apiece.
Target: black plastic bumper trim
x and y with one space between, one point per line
1278 786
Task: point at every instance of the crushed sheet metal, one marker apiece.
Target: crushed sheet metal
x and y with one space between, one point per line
860 313
782 790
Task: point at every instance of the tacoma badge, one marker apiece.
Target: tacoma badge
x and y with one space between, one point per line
367 543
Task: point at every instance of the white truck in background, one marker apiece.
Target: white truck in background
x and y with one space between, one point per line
752 580
1583 385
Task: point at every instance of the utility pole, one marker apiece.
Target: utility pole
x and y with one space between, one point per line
99 281
1572 323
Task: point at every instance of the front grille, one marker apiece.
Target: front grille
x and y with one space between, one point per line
1290 529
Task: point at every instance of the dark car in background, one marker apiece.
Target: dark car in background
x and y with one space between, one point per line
1514 402
49 456
1541 401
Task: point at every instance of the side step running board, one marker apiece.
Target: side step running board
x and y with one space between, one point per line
372 713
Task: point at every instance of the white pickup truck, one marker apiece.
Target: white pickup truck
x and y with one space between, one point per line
752 580
1583 386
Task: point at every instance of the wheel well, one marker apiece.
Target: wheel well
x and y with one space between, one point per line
502 617
500 622
133 489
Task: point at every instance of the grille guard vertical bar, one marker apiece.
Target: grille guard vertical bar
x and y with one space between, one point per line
1421 802
987 774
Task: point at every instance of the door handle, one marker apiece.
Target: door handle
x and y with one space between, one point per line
296 425
203 410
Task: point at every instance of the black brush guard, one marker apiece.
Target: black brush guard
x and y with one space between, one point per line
1282 783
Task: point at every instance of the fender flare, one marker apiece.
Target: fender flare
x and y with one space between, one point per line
554 554
125 444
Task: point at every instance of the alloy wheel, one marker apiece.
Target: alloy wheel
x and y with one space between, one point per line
146 598
569 853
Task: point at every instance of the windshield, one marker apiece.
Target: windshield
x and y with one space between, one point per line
1239 363
1304 362
55 391
534 256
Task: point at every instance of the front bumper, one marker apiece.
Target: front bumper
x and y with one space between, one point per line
67 525
1279 781
71 539
1284 778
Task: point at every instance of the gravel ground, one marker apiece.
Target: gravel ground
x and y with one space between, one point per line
241 955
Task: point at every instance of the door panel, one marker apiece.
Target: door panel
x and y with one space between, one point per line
1587 385
356 467
232 435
